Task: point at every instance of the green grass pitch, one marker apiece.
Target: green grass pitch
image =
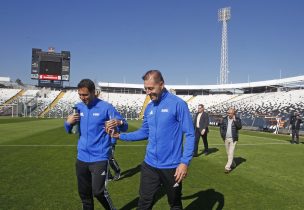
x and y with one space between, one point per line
37 171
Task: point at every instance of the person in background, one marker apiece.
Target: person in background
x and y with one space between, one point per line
295 122
229 130
277 127
94 144
166 119
201 122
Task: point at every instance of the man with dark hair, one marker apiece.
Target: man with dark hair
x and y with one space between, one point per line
94 144
201 122
87 83
166 120
295 122
229 129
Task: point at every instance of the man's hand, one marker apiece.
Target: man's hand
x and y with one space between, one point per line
115 135
73 118
203 131
110 125
181 172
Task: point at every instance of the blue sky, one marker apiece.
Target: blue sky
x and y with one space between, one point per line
119 40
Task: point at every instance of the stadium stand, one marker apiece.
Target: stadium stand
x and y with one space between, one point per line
129 105
64 105
258 107
6 94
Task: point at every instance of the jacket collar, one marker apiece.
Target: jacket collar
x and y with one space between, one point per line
92 103
163 95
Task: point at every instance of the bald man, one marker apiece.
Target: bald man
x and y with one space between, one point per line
229 129
166 120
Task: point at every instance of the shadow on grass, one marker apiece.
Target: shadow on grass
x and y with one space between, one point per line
294 142
130 172
131 205
210 151
205 200
239 161
134 203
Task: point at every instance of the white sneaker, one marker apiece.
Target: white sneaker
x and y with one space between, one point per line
227 171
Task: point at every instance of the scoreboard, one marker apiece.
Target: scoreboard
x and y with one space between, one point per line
50 68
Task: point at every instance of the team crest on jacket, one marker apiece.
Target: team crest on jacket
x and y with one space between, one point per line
151 112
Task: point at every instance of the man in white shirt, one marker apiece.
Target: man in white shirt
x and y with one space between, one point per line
229 129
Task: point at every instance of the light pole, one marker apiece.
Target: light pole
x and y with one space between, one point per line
223 16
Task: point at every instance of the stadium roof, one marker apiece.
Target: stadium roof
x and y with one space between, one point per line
5 79
248 85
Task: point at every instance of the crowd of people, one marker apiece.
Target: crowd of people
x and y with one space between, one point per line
166 120
173 139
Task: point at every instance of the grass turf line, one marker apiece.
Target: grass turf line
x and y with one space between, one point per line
268 176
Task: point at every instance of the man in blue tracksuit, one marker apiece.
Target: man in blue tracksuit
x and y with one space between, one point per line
166 120
94 144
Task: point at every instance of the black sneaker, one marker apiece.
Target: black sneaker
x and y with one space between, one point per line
117 176
110 177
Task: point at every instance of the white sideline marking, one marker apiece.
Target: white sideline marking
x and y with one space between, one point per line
136 145
240 144
36 145
58 145
260 137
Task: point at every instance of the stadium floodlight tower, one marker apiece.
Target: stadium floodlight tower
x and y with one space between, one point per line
224 16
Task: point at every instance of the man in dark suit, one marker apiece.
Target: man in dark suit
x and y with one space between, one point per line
201 122
295 122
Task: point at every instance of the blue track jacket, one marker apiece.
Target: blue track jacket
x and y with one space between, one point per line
164 124
94 143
